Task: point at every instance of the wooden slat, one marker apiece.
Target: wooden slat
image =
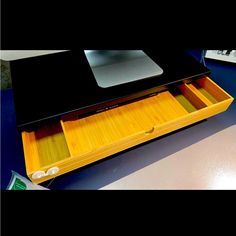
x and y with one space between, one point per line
95 137
51 144
44 146
192 96
31 154
93 132
169 106
203 98
185 103
211 87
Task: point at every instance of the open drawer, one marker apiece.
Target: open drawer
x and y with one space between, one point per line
69 144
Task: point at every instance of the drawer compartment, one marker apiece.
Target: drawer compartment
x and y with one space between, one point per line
71 144
44 148
210 90
120 124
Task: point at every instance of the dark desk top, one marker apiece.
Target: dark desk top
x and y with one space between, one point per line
49 86
102 173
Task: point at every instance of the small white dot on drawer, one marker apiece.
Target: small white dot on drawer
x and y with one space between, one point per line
52 171
38 174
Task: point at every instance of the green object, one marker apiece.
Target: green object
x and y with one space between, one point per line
19 182
18 185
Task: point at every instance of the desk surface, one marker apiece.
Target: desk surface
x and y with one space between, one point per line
189 158
49 87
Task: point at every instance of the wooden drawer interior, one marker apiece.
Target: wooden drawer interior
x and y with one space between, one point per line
119 128
200 94
44 147
120 124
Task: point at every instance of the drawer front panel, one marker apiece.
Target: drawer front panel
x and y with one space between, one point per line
71 144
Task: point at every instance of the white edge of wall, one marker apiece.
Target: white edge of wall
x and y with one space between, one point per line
10 55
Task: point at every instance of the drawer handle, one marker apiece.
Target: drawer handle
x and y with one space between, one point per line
39 174
52 171
150 131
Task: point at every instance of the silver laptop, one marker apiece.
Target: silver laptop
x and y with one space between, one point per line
115 67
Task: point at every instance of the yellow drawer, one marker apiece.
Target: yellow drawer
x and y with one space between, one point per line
67 145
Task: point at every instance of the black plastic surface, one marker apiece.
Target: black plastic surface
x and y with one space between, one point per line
48 87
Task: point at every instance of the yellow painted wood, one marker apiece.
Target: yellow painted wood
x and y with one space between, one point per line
87 158
192 96
31 155
82 160
169 108
188 106
51 144
211 89
44 146
205 93
98 136
200 95
90 133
